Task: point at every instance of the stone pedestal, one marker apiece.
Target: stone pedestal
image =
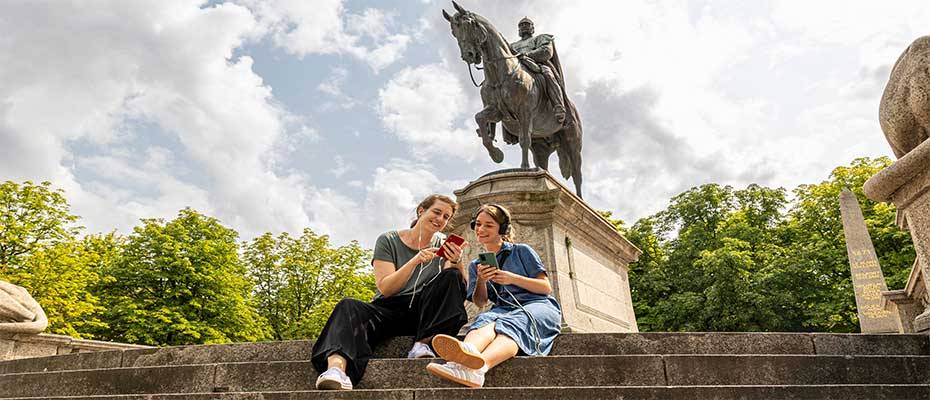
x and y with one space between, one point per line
906 183
585 257
906 303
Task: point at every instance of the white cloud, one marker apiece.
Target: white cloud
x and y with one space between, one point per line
84 76
332 86
325 27
340 166
388 202
425 107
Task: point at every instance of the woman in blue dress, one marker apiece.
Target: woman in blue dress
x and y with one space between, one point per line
525 317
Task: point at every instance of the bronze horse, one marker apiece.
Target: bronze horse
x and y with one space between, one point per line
514 96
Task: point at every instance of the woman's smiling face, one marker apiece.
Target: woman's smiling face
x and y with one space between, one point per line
436 216
487 230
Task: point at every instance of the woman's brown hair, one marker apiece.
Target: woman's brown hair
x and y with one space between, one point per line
500 215
429 201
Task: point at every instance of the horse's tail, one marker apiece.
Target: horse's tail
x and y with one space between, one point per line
565 160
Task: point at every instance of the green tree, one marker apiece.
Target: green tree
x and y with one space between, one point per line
180 282
818 247
704 260
61 278
32 216
299 280
40 252
750 260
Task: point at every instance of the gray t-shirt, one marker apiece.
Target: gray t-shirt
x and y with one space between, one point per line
390 248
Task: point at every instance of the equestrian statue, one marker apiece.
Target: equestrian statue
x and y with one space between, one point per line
524 90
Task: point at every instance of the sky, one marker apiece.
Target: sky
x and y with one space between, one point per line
340 115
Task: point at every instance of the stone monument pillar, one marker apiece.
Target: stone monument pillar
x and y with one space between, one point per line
906 183
585 257
867 278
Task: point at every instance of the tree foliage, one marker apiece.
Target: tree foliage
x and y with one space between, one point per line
180 282
299 280
32 216
39 251
722 259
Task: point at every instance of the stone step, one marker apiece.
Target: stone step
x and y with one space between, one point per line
561 371
822 392
567 344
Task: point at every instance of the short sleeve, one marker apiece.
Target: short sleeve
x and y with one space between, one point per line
384 250
472 280
532 264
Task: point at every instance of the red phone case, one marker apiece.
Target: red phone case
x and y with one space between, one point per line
453 238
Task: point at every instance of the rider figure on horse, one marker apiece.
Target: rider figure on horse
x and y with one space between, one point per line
538 54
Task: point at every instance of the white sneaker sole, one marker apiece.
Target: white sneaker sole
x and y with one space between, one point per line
451 349
440 372
331 384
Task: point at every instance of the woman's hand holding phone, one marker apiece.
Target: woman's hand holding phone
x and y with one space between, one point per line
452 252
502 277
486 272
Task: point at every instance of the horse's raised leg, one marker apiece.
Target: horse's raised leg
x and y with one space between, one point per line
486 119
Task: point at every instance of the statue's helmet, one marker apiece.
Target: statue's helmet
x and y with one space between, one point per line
525 26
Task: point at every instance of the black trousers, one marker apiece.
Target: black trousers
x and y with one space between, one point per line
355 327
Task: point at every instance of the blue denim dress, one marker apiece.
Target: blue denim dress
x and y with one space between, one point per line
538 322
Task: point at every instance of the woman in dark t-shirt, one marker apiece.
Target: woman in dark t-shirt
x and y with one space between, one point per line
418 294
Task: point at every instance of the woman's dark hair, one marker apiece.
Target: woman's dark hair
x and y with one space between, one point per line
429 201
500 215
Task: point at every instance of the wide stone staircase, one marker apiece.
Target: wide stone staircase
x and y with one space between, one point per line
582 366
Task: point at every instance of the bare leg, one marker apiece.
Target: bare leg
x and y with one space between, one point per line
337 361
481 337
501 349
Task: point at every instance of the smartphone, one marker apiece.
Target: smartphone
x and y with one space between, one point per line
488 259
454 239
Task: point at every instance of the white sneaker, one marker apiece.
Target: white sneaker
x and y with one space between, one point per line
333 379
420 350
457 351
458 373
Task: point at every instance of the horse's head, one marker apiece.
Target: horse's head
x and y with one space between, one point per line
469 32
